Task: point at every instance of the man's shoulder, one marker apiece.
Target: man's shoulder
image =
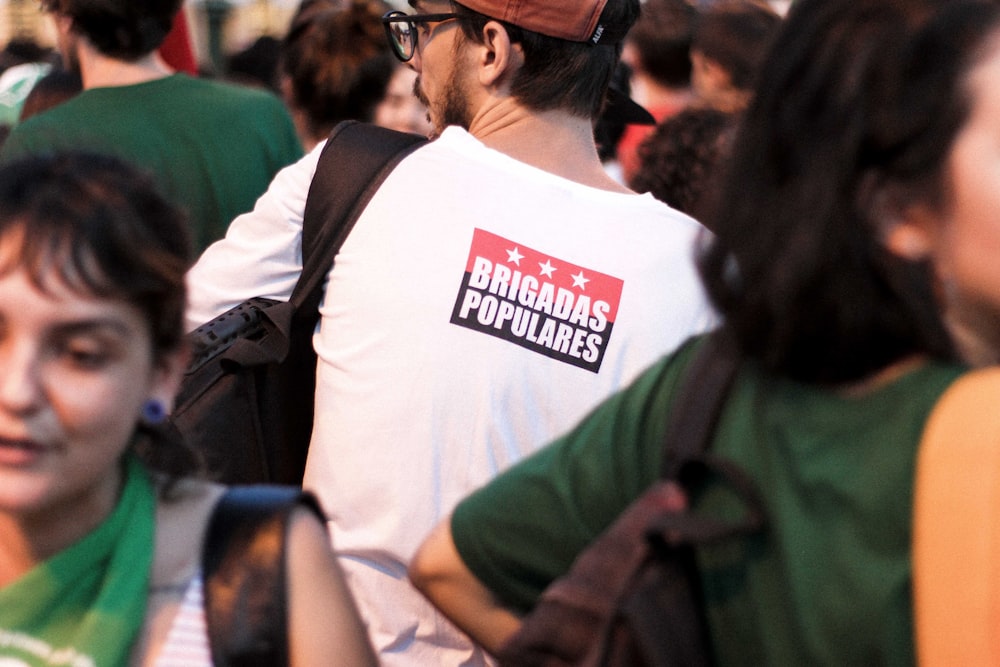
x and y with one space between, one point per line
47 129
223 91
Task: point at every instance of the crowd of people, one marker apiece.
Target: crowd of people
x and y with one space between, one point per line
505 330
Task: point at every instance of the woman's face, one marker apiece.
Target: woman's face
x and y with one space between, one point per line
965 237
400 109
75 371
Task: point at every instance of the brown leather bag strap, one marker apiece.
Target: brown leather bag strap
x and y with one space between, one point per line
694 416
700 398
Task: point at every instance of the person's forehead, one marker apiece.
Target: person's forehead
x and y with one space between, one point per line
430 6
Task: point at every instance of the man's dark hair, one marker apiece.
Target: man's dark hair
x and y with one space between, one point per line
256 64
122 29
557 73
853 119
21 50
662 41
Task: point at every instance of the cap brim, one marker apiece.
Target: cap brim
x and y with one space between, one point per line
623 108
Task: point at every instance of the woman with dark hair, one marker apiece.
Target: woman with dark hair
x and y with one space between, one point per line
100 527
858 213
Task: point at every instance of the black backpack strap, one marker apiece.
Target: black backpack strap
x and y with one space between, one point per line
243 568
356 159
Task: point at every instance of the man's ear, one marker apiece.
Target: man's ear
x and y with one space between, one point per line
499 57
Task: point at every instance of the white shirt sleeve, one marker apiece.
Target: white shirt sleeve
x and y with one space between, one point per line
261 254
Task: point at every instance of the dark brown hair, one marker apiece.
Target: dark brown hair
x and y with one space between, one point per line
100 227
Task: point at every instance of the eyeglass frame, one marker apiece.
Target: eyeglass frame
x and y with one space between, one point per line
397 16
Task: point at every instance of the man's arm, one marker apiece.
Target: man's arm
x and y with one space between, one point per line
439 572
261 254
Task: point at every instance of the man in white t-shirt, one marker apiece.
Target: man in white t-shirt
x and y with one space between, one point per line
498 285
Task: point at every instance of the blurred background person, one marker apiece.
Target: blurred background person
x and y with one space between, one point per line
657 52
729 42
22 63
680 161
619 112
57 86
213 147
336 65
400 109
256 64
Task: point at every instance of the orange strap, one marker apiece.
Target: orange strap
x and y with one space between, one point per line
956 548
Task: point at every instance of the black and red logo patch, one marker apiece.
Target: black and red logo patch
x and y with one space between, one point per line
537 301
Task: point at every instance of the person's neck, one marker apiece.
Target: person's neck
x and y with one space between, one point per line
975 330
99 71
554 141
30 537
882 377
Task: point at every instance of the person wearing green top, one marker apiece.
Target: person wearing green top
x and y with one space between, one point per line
854 265
213 147
836 472
101 517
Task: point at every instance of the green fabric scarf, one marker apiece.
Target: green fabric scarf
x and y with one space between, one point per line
84 606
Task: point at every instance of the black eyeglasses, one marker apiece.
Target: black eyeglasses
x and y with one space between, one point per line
401 29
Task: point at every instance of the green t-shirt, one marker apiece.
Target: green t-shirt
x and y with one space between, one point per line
212 146
827 584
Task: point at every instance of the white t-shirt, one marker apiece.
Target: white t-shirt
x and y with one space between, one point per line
479 309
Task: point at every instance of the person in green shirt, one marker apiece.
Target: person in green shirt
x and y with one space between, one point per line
212 146
855 268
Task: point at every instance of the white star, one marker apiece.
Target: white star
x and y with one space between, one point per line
580 281
515 256
546 268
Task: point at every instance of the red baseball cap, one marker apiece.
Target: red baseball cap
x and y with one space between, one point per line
572 20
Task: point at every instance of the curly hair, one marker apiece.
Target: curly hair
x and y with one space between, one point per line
678 160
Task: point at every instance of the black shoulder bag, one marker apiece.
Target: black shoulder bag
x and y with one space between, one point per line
246 402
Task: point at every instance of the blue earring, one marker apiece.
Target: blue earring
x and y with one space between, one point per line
153 412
